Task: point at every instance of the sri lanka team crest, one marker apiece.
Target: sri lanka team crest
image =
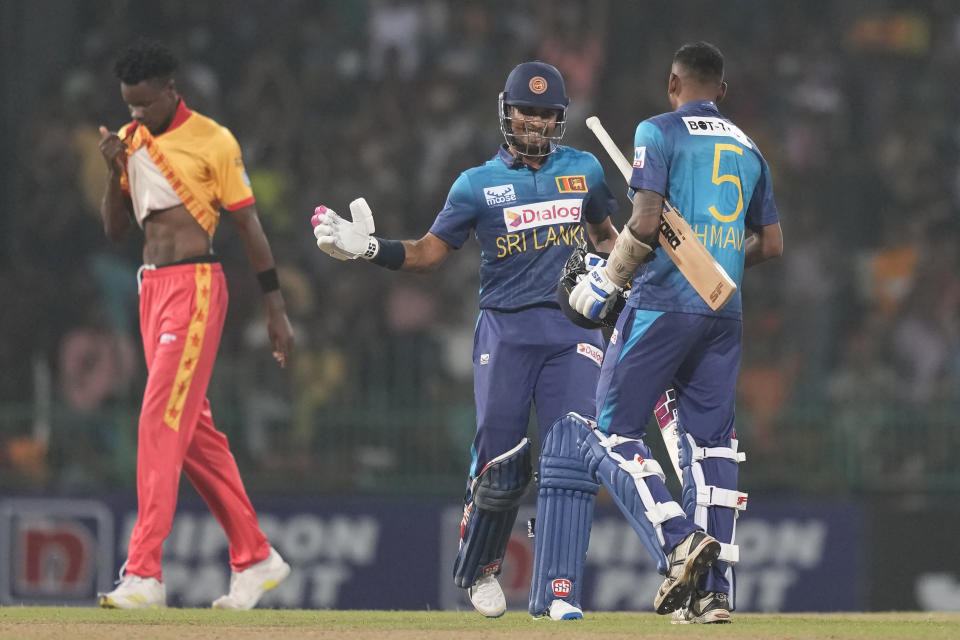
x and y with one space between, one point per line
572 184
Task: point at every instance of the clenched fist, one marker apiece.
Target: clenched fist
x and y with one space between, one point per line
594 294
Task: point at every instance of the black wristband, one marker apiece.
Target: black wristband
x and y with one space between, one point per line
268 280
391 255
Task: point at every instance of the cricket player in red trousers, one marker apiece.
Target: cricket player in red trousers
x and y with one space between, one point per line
171 170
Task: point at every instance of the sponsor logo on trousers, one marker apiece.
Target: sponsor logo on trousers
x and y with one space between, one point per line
562 587
592 352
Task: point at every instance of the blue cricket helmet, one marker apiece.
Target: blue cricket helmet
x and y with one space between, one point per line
536 84
533 84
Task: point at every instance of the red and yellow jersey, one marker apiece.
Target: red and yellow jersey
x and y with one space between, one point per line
200 159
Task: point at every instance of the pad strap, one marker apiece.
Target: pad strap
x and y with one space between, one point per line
730 453
710 496
729 553
660 512
663 511
626 481
714 507
641 469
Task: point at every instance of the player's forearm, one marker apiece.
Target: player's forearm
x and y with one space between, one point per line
274 302
627 254
254 239
418 258
272 296
425 254
645 220
602 236
260 257
114 208
763 245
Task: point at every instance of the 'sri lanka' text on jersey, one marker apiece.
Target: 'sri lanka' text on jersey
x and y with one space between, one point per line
527 222
716 177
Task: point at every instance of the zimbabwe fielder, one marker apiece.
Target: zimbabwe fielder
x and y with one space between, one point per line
171 170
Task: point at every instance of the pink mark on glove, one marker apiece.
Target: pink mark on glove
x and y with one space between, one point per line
319 211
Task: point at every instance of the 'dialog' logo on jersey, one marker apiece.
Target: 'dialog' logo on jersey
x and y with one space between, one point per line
572 184
538 214
499 195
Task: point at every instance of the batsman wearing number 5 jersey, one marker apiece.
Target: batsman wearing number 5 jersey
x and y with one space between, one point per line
529 207
171 171
667 336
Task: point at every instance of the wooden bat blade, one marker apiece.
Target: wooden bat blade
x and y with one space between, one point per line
698 266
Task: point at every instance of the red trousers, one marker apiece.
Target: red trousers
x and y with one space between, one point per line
182 309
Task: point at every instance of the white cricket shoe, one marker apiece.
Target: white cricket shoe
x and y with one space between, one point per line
563 610
487 597
135 592
249 585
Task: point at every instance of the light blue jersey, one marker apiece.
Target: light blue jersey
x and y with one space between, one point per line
526 221
716 177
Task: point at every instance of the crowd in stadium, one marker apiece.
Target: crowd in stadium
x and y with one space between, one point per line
852 339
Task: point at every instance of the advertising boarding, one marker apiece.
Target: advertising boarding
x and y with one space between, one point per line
396 554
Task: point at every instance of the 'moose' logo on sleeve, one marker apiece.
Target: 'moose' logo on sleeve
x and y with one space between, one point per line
499 195
538 214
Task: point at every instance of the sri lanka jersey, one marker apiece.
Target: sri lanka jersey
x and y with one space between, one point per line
716 177
526 221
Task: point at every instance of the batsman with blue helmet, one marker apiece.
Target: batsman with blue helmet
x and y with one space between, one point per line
529 207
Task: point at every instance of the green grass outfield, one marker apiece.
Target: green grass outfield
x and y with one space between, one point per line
186 624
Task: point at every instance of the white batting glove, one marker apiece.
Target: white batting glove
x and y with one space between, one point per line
593 261
343 239
594 295
324 222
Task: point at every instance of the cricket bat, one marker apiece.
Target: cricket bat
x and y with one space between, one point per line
677 238
666 415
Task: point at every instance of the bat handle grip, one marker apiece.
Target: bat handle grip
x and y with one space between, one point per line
593 123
